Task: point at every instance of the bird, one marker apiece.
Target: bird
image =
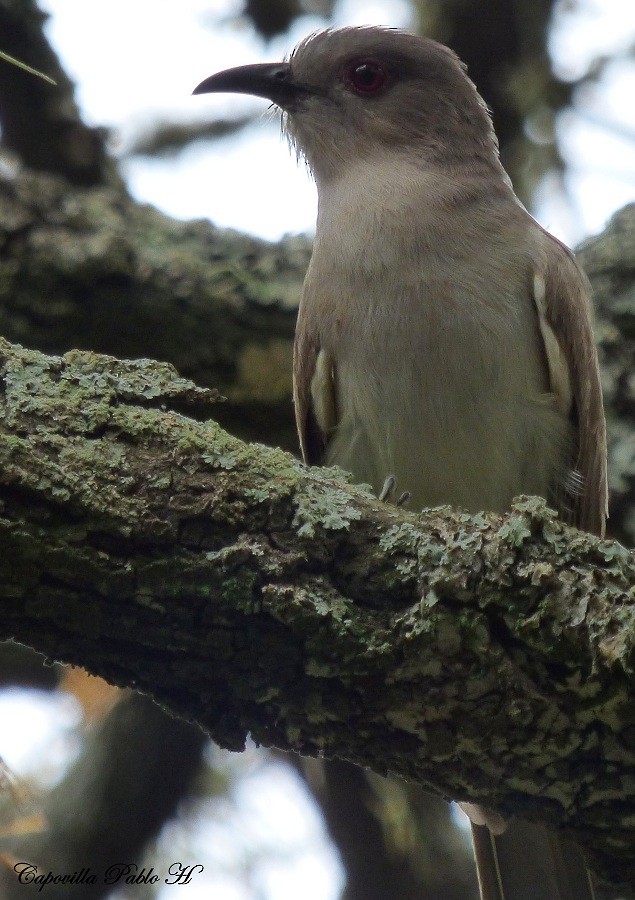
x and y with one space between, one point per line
444 338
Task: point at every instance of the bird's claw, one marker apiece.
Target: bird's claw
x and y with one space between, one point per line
387 493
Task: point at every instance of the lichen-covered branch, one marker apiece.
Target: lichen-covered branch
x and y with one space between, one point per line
93 269
476 655
90 268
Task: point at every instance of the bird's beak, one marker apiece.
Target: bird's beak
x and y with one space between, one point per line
270 80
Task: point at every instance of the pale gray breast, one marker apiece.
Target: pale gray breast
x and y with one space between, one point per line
440 373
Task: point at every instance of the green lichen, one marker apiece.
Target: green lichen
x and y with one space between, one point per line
403 538
515 531
323 508
218 460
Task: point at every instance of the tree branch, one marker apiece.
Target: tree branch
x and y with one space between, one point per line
90 268
479 656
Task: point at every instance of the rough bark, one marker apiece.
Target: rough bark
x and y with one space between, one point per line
92 269
475 655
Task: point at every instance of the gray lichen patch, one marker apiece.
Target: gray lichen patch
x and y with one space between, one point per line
319 510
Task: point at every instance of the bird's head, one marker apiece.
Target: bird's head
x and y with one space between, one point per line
356 92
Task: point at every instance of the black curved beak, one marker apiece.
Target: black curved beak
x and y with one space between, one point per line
270 80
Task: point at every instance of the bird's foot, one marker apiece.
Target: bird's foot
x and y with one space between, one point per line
388 493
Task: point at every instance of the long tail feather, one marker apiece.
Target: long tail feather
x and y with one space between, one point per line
529 862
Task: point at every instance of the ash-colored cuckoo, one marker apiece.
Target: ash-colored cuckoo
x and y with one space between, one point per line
443 337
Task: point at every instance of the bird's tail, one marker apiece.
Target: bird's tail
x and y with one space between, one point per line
529 862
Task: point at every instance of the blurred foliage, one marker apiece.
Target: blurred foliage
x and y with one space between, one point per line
504 45
270 18
40 119
169 138
273 17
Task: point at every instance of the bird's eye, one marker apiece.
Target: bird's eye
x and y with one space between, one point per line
365 76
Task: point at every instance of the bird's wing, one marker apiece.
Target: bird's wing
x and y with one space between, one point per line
313 393
563 298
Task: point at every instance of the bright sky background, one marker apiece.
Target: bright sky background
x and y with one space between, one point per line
136 62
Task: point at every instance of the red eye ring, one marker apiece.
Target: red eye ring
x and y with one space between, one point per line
365 76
